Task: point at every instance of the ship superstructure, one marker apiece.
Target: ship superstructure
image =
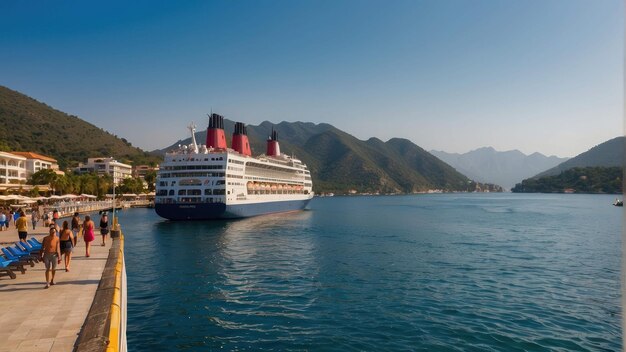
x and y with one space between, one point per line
212 181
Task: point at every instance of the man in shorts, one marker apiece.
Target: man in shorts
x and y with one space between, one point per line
51 255
22 226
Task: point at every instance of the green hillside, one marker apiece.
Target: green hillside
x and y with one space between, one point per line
28 125
578 179
340 162
607 154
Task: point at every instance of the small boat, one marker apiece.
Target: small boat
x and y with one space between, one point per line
618 203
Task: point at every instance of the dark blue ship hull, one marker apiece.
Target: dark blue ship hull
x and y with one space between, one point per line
210 211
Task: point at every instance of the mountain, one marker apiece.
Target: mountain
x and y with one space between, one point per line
29 125
502 168
607 154
339 162
598 179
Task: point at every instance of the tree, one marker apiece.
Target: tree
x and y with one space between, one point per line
34 192
130 185
42 177
104 182
150 180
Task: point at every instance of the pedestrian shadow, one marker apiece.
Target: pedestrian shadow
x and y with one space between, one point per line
8 284
36 285
85 258
78 282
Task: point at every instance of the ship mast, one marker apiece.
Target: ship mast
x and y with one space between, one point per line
192 129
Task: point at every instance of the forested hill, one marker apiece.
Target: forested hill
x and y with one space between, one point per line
340 162
29 125
576 180
607 154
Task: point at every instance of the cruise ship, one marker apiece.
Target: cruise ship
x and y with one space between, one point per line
212 181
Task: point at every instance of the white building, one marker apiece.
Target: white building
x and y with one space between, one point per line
110 166
12 168
37 162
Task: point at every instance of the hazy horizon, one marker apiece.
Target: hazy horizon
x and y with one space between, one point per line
454 76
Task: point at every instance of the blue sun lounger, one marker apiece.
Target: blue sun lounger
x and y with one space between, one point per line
20 253
5 269
23 260
14 263
34 244
28 248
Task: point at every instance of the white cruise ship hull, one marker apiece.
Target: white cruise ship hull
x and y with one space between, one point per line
212 211
211 181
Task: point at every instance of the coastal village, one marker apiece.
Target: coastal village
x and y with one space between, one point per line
77 325
18 184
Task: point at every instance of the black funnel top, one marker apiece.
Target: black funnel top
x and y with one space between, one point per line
273 135
216 121
240 128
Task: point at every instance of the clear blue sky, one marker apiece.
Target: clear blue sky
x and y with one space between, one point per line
533 75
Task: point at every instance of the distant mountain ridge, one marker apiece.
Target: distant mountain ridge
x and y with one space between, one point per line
29 125
502 168
339 162
607 154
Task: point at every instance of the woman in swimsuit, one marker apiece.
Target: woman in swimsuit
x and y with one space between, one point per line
67 243
88 234
104 227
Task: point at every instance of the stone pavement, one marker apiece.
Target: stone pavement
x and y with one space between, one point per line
36 319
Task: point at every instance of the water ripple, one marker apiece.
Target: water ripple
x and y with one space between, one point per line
418 273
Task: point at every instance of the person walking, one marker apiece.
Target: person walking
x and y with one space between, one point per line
3 220
67 243
75 227
34 217
9 215
88 234
22 226
51 255
104 227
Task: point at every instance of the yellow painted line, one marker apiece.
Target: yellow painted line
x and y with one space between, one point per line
115 310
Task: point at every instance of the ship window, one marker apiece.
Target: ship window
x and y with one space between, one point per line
173 183
194 192
182 192
208 192
171 192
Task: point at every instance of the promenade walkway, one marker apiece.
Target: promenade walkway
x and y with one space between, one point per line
36 319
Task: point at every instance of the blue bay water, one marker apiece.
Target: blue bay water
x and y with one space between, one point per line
446 272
